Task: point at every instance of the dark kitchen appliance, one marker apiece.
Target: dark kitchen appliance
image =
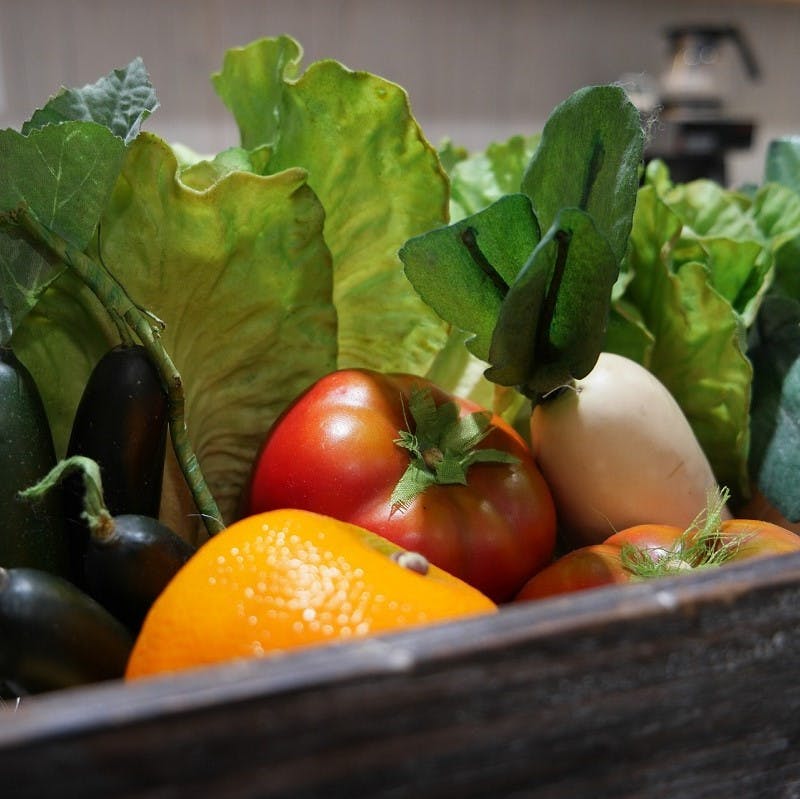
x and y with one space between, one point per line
694 130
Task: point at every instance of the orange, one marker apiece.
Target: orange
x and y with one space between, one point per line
286 579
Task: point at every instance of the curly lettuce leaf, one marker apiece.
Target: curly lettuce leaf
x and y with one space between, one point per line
479 179
204 172
697 348
720 228
378 179
241 275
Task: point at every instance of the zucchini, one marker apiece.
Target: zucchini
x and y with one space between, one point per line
54 636
32 534
121 423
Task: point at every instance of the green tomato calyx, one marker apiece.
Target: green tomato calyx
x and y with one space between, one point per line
702 545
442 446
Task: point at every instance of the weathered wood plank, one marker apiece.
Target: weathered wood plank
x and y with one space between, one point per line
682 688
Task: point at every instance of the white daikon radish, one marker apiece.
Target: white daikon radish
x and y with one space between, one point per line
617 450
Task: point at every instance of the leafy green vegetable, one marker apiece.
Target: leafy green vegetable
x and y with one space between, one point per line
378 179
783 162
120 101
776 404
261 285
569 278
541 306
242 277
589 158
477 258
64 175
697 338
479 179
719 229
63 167
775 337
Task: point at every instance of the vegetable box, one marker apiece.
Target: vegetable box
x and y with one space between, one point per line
683 687
335 237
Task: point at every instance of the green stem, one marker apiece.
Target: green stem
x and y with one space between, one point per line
94 509
117 302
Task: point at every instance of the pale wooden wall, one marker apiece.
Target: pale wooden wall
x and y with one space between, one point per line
476 70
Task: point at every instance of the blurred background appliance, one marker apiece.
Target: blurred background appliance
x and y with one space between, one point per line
475 73
695 129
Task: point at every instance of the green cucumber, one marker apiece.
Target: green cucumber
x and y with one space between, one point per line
31 534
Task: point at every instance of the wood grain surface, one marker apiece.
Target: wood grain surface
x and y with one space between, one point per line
679 688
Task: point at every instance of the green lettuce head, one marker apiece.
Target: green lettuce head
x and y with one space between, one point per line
270 264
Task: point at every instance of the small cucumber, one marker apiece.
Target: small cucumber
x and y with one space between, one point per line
54 636
121 423
31 534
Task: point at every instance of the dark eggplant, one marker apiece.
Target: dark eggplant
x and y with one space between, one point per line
121 423
129 561
53 636
30 534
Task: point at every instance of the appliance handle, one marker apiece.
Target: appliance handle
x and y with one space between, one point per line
748 57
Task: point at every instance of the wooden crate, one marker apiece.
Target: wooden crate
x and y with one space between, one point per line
684 687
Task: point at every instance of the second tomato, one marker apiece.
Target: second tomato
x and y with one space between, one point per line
659 550
431 472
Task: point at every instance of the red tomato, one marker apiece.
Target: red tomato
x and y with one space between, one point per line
758 539
335 451
587 567
602 564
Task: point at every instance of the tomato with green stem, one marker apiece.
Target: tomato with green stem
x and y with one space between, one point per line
647 551
433 473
